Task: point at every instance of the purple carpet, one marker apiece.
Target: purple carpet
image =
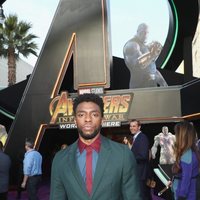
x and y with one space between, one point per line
43 193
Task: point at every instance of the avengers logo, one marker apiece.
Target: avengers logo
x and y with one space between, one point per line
116 108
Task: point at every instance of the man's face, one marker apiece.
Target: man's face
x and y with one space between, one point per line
134 128
143 34
88 120
26 147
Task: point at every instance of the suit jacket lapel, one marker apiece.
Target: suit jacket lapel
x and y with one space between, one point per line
75 168
102 162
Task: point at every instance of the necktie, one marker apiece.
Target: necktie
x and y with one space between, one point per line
89 169
133 140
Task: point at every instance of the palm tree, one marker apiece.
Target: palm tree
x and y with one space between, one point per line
15 39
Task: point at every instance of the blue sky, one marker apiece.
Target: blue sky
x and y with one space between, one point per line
128 14
38 12
125 17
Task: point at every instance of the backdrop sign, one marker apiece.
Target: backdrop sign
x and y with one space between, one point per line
116 110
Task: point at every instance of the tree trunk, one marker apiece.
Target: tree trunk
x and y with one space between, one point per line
11 67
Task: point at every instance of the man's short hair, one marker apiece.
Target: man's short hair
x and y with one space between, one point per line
135 120
29 142
88 98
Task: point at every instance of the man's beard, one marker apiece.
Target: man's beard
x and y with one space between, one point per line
89 136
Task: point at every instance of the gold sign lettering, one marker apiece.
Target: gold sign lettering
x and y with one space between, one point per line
116 108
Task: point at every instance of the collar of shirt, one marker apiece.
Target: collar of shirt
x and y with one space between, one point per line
30 150
95 145
134 137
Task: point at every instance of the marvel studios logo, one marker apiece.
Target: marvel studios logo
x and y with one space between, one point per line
94 90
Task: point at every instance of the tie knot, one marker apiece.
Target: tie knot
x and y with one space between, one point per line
88 148
94 146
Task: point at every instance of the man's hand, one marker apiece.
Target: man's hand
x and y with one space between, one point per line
153 156
125 140
23 185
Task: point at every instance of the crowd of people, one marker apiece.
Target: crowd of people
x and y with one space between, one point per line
29 175
181 151
95 167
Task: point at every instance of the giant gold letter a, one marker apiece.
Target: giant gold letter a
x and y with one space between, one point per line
79 30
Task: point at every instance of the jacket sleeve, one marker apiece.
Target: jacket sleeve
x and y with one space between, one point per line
130 183
57 190
141 151
186 166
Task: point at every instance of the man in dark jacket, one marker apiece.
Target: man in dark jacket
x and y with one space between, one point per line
5 163
140 149
94 167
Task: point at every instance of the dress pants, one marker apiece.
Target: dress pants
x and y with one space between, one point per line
33 186
145 190
3 195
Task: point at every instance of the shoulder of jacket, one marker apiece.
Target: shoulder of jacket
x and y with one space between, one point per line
187 156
